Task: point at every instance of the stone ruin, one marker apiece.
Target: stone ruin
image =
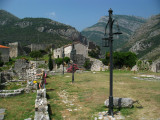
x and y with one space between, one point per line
8 93
41 106
120 102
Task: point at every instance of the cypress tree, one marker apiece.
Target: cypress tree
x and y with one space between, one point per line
50 62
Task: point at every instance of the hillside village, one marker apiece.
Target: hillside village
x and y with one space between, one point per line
41 46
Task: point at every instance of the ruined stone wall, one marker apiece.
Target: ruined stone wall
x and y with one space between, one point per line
36 47
155 67
4 54
81 49
15 50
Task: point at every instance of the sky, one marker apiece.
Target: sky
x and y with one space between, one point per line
79 13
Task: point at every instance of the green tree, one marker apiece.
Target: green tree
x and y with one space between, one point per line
67 60
121 59
58 61
35 54
50 62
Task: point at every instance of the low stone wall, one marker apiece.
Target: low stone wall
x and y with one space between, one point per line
8 93
41 106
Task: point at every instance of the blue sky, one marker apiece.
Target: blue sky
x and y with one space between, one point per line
79 13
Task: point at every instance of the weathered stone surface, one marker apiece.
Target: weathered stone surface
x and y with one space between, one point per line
134 68
8 93
2 112
155 67
41 106
15 50
97 65
120 102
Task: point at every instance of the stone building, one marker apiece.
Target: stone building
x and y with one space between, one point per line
4 50
36 47
81 53
15 50
81 49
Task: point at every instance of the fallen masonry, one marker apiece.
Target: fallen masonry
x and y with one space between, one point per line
121 102
41 106
8 93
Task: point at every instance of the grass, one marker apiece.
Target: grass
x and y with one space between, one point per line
19 107
85 97
91 90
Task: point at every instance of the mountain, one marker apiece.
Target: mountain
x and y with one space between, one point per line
127 25
36 30
145 42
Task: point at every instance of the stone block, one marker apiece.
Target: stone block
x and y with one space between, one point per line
120 102
2 113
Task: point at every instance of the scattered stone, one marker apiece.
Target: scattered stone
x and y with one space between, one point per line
67 76
2 113
28 119
8 93
120 102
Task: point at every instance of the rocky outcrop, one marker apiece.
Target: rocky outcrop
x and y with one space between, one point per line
97 65
140 46
145 41
23 24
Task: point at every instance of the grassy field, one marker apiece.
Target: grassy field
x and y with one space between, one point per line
85 98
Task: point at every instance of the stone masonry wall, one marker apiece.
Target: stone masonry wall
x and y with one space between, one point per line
15 50
41 106
36 47
4 54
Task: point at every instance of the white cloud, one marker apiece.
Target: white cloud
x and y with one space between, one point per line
52 15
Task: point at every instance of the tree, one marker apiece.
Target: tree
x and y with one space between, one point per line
50 62
67 60
121 59
58 61
35 54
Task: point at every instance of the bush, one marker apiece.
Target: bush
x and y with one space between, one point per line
67 60
35 54
70 69
58 61
87 64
